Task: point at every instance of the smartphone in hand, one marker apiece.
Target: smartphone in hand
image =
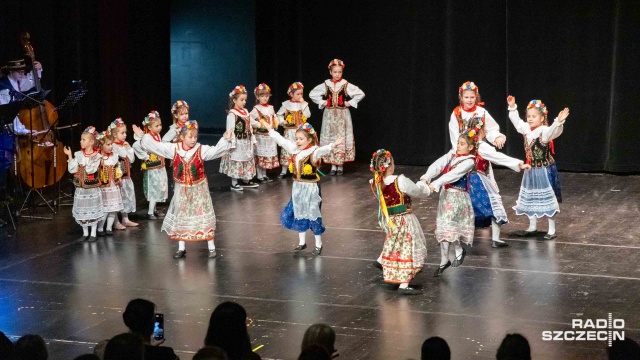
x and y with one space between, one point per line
158 327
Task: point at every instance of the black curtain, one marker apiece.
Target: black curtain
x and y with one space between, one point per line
410 57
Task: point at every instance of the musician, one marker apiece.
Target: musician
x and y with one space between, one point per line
15 81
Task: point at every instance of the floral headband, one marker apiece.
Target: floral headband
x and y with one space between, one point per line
102 135
538 104
295 86
262 87
191 124
307 127
385 164
179 104
152 115
240 89
90 130
469 85
335 62
116 123
473 132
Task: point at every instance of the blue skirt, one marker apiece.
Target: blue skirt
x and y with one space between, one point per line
482 205
554 180
290 222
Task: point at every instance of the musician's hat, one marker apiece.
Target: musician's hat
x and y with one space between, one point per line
14 65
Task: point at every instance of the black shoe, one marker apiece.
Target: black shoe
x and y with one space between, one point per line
108 233
180 254
409 291
236 187
332 173
152 217
526 233
317 251
340 172
498 244
550 236
100 233
249 184
299 248
212 254
441 269
376 265
93 238
459 259
282 176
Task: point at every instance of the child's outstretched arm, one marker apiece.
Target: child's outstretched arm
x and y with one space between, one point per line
140 153
412 189
164 149
492 131
489 153
436 168
556 128
454 175
220 149
325 150
289 145
520 125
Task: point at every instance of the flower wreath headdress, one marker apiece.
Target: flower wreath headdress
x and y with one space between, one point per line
91 130
335 62
179 104
261 87
152 115
538 104
191 124
115 124
383 214
469 85
100 136
295 86
472 132
307 127
240 89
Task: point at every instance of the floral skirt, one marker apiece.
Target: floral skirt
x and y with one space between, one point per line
190 216
128 196
155 184
337 123
539 192
455 221
267 162
111 199
87 206
486 201
244 170
404 251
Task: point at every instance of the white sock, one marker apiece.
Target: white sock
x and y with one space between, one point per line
116 221
302 238
458 248
495 232
110 219
533 224
318 241
101 222
234 181
125 216
152 207
552 226
85 230
211 245
404 285
444 253
340 168
181 246
334 168
284 169
93 230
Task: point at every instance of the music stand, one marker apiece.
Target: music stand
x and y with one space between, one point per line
31 101
9 112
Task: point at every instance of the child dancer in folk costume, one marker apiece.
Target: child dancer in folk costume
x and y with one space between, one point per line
87 199
126 156
292 114
190 216
483 190
180 112
239 163
455 221
540 190
110 181
154 178
336 96
302 213
405 247
266 147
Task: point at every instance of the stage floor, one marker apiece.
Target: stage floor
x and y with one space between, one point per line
73 293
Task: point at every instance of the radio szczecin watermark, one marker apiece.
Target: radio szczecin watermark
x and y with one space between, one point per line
608 329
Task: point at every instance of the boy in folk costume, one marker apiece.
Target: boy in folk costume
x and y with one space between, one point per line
336 96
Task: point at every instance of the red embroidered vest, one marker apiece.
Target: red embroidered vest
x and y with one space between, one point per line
397 201
188 172
336 98
86 181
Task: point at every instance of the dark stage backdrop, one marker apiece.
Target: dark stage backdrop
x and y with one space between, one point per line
213 49
409 57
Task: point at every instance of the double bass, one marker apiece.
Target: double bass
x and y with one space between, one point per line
41 146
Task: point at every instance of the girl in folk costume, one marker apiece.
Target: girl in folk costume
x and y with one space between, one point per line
455 221
126 155
540 191
110 182
180 112
154 178
292 114
302 213
405 248
87 199
336 96
483 190
266 147
239 163
190 216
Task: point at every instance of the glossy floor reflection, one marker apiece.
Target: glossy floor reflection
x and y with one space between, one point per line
73 293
